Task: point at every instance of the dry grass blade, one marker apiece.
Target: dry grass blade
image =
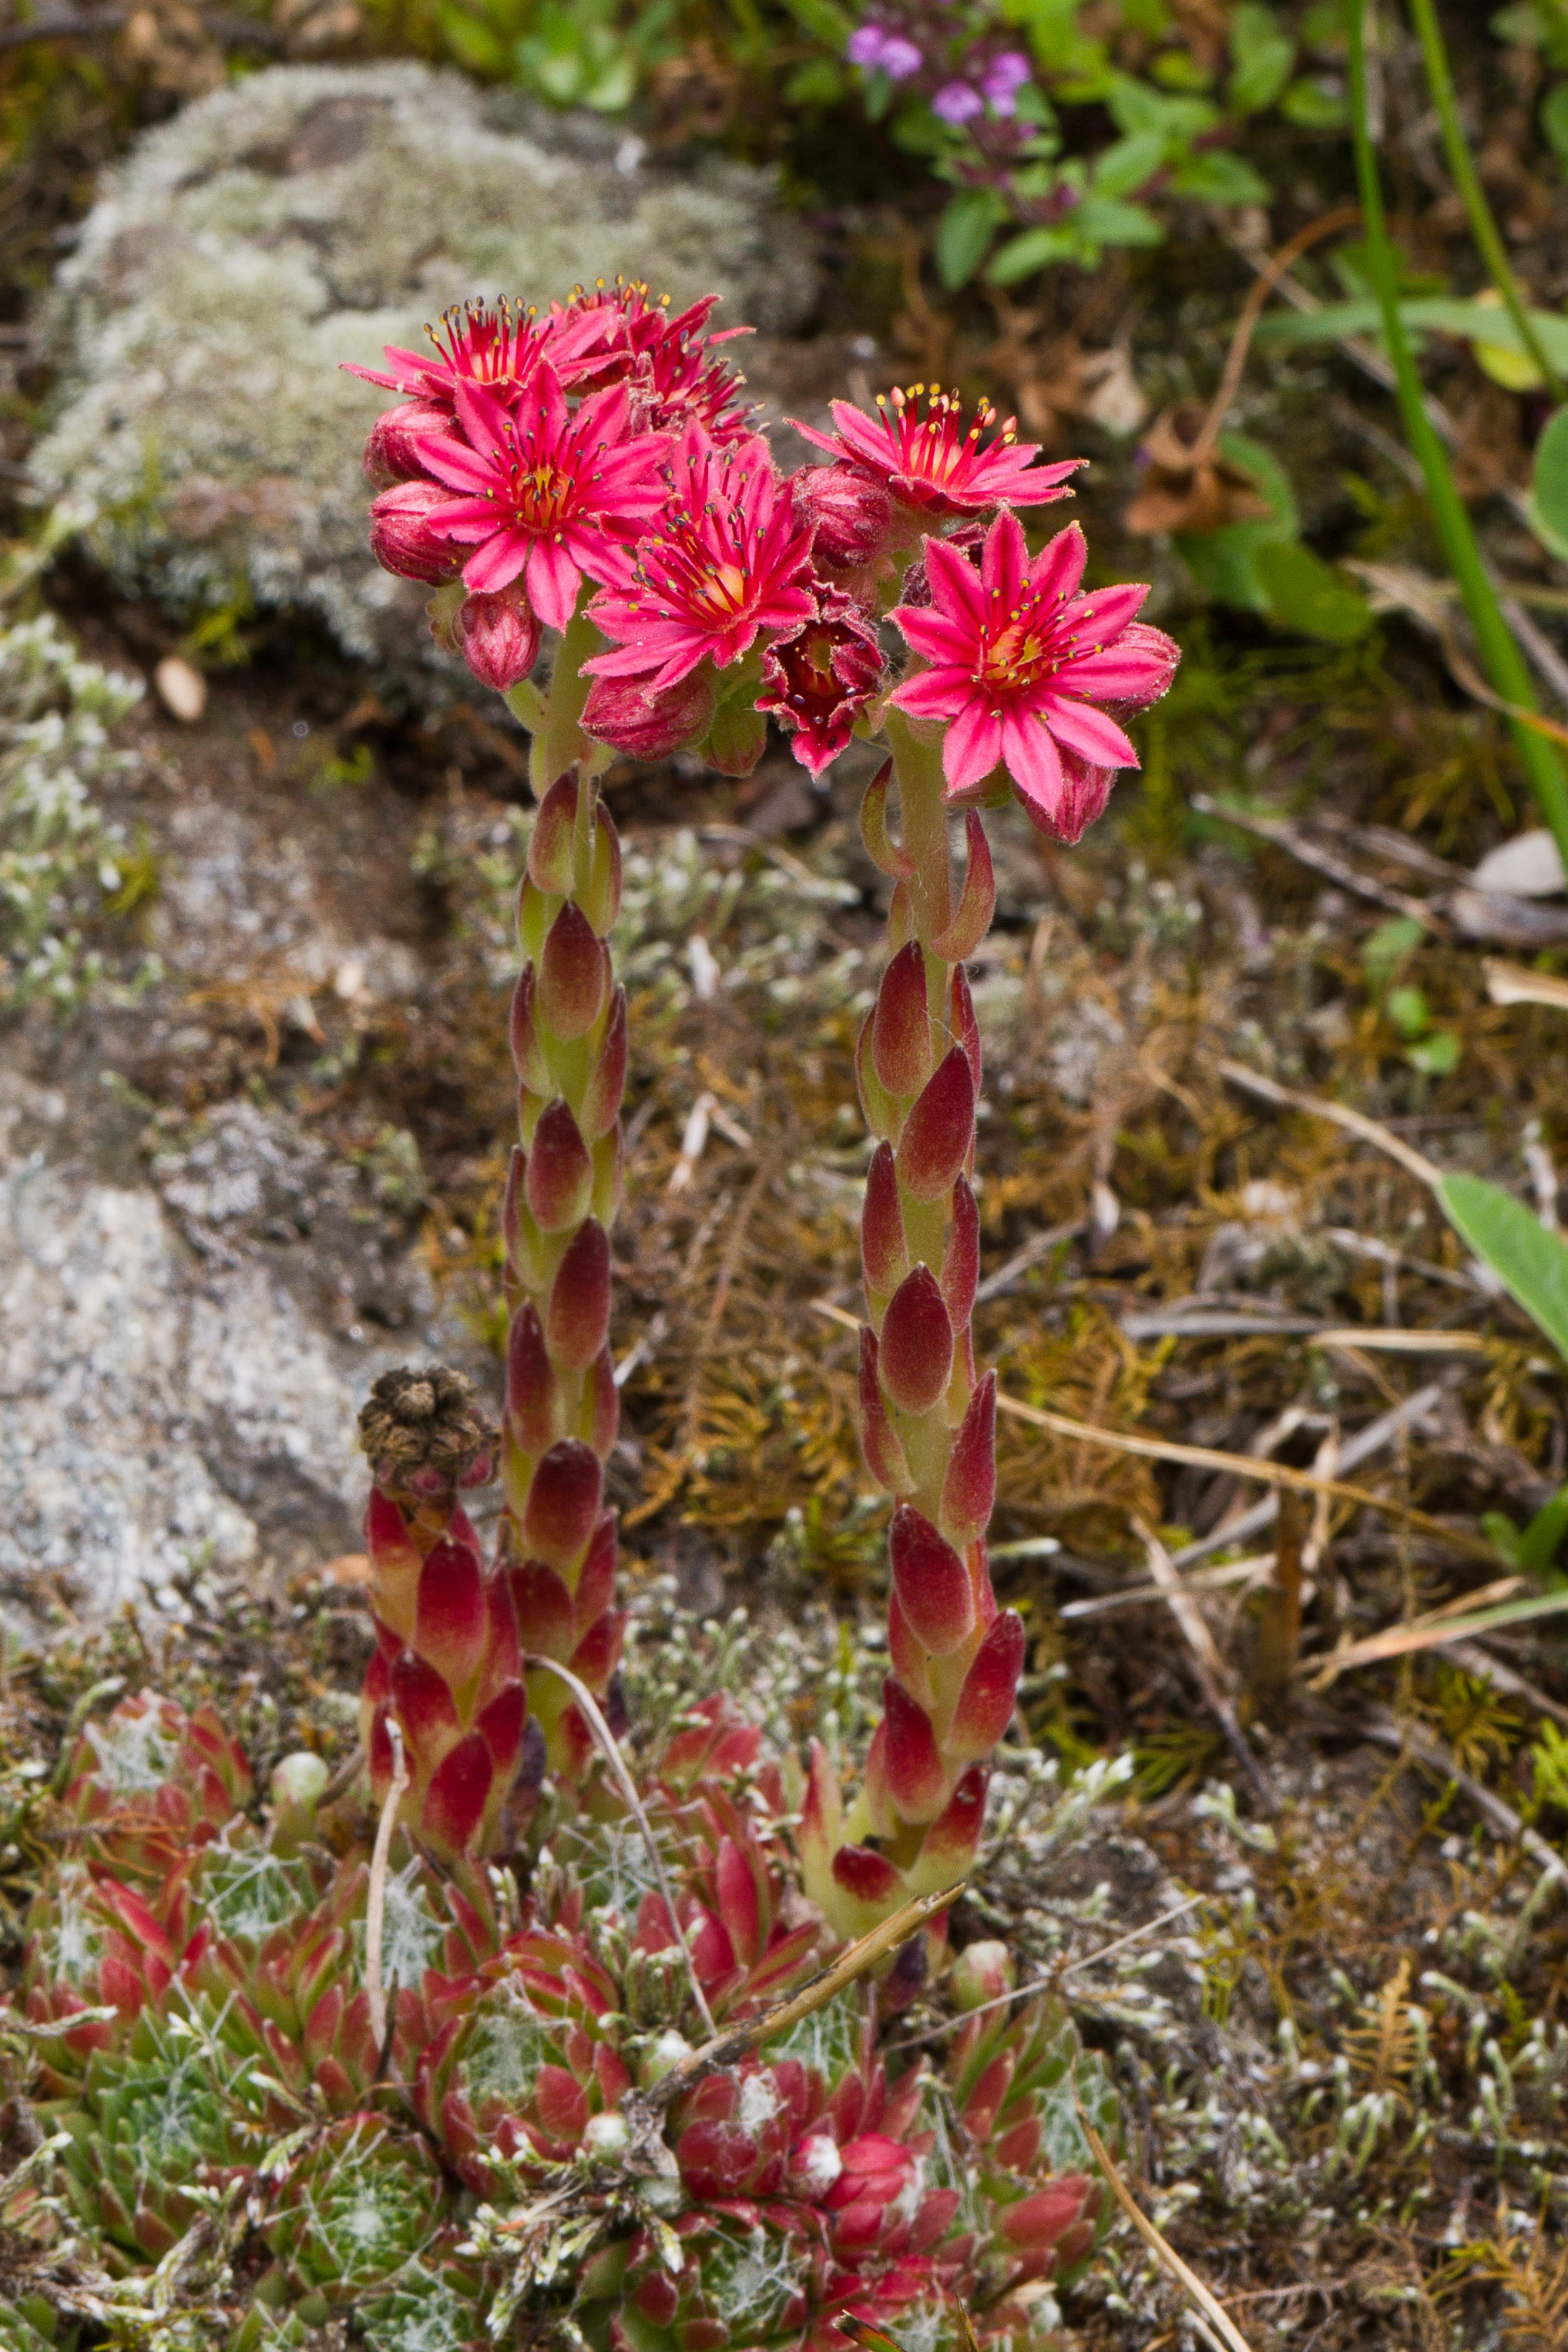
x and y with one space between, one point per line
375 1900
852 1963
1219 2320
1510 984
1354 1122
1209 1665
609 1747
1209 1457
1434 1631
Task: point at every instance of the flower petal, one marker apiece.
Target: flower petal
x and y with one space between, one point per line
497 564
1059 567
452 462
934 634
1084 729
1004 566
553 582
955 584
1033 761
973 744
934 693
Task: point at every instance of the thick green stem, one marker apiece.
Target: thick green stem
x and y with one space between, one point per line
923 827
1483 226
1504 663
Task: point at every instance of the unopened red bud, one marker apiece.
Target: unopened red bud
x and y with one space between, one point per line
910 1761
737 738
884 1257
966 1028
940 1131
573 976
579 1317
931 1581
851 513
528 1053
948 1846
981 1973
969 1486
458 1792
558 1181
500 1727
450 1626
401 538
901 1024
596 1578
546 1619
550 842
990 1687
390 454
885 1456
607 1082
563 1504
424 1707
498 635
961 1260
916 1356
531 1396
621 712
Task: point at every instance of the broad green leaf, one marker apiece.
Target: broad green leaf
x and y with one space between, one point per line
1224 563
1530 1263
1540 1543
818 82
1107 220
1126 163
832 25
1263 53
1472 322
1037 248
964 232
1435 1057
1550 486
1219 178
1314 104
1308 596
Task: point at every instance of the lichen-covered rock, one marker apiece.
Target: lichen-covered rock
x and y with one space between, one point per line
308 216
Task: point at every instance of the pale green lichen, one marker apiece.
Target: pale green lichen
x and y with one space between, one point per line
58 849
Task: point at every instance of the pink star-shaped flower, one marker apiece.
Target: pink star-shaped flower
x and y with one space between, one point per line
545 492
931 462
1023 668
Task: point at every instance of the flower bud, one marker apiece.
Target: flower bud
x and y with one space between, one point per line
901 1025
390 454
620 711
850 512
915 1357
605 2137
931 1581
573 979
401 538
498 636
939 1131
982 1972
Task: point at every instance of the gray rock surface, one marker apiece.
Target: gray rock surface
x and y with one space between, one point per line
310 215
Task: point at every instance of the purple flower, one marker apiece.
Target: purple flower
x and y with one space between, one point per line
956 101
1005 76
878 49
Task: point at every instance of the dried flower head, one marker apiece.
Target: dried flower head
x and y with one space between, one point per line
426 1432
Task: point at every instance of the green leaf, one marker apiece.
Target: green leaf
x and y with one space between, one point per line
964 232
1037 248
1263 53
1126 163
1409 1010
818 82
1218 178
1435 1057
1539 1544
1550 486
1135 106
1224 563
832 25
1530 1263
1314 102
1472 322
1107 220
1385 950
472 42
1503 1536
1554 120
1308 596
